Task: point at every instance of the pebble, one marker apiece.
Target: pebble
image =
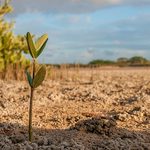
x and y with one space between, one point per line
29 147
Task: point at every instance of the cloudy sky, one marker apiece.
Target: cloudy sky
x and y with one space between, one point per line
83 30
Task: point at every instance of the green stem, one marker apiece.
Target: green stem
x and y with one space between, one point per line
31 103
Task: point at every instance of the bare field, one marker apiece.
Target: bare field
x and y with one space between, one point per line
88 109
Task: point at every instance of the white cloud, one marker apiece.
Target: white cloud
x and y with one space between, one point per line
70 6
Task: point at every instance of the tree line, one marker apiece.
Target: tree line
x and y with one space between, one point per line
122 61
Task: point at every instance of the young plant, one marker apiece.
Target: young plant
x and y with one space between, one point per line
35 49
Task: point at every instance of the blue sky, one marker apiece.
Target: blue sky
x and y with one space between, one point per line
82 30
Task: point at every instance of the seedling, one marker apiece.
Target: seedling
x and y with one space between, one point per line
35 49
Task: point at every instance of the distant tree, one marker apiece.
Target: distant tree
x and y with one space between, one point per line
122 61
11 46
138 60
101 62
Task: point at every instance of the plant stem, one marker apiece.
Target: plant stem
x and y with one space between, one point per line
31 103
30 116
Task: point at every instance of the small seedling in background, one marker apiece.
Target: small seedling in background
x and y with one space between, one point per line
35 49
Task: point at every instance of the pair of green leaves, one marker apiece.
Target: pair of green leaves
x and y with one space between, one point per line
36 48
39 77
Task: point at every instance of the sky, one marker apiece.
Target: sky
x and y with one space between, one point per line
83 30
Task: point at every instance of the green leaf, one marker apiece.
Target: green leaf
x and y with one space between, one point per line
39 77
29 78
41 43
41 49
31 45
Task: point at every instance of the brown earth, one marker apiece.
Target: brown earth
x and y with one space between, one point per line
110 111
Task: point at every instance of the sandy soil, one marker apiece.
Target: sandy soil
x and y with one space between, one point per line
111 112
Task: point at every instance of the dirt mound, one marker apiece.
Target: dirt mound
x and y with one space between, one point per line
95 125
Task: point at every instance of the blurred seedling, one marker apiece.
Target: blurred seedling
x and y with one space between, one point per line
37 77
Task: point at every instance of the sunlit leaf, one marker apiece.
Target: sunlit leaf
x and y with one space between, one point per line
41 43
39 77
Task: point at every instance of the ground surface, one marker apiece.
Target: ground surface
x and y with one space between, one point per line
110 111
